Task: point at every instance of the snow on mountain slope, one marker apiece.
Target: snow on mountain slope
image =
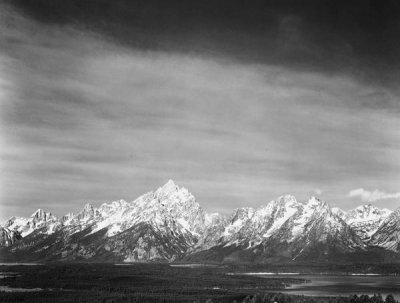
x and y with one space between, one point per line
214 227
170 213
169 207
38 220
251 227
286 226
168 224
316 224
388 233
366 219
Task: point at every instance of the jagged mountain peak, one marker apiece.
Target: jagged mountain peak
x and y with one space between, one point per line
10 221
38 220
170 184
41 214
88 207
367 209
168 209
243 213
365 219
41 217
88 213
291 224
38 213
367 212
108 208
67 218
171 195
169 223
286 199
315 200
168 188
316 204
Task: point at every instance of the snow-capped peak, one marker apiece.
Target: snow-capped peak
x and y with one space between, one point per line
286 199
366 219
38 220
107 209
169 186
167 189
66 219
170 207
87 214
316 205
315 201
168 223
41 215
367 212
88 207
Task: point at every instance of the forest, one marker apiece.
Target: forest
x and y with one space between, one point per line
85 282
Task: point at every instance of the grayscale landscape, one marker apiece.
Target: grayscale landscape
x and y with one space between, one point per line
200 151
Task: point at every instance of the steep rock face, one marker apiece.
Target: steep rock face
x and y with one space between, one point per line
388 233
8 237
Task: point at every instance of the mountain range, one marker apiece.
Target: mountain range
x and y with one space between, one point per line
169 225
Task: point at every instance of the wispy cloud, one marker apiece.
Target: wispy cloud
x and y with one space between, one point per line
84 119
372 196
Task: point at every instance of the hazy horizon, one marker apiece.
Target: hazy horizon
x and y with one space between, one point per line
239 104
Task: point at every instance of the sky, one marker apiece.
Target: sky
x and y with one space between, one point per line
238 101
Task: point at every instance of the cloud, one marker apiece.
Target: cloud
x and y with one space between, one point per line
83 119
372 196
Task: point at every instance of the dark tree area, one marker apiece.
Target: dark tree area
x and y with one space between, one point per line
150 297
103 283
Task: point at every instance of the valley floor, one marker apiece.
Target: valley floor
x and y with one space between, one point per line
86 282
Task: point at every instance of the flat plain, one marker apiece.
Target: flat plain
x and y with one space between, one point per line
95 282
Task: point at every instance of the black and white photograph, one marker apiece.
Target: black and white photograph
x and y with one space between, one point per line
235 151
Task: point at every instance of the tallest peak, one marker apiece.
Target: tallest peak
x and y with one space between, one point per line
170 182
168 188
170 185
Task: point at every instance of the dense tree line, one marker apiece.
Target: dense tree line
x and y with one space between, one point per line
153 283
147 297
